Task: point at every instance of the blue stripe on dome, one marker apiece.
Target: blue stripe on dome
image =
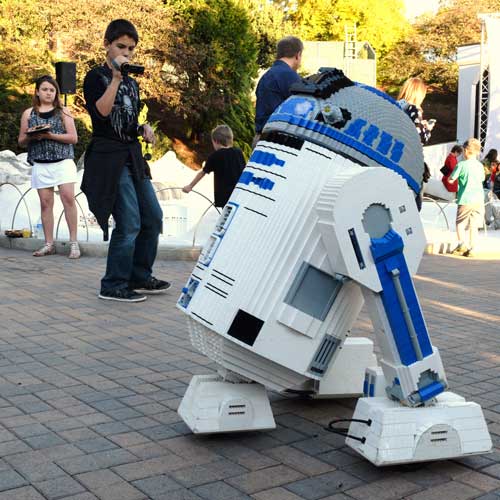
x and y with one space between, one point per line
348 141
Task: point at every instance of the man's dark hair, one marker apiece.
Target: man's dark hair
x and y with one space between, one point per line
457 149
289 46
119 28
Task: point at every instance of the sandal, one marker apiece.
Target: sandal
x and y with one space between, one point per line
47 249
74 250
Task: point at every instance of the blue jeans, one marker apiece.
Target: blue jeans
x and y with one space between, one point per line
134 240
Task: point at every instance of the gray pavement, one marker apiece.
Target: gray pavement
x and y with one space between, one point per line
89 391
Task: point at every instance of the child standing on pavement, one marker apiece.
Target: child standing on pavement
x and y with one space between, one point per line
470 197
226 162
117 178
50 152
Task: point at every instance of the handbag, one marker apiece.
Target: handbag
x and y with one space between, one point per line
445 170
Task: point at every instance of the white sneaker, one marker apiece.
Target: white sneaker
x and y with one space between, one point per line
74 250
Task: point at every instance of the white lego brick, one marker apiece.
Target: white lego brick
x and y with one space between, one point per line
375 380
449 429
212 406
345 376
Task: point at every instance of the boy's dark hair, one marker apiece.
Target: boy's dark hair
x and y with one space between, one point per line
492 155
119 28
289 46
457 149
223 135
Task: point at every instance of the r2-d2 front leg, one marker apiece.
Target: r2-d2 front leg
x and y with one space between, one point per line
415 420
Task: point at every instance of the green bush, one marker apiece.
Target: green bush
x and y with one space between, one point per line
221 69
82 124
240 117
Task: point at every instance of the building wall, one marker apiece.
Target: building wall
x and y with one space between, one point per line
331 55
468 60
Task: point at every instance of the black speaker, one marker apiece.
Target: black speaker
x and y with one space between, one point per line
66 77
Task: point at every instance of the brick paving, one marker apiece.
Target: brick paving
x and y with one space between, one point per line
89 391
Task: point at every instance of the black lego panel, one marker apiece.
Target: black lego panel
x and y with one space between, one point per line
245 327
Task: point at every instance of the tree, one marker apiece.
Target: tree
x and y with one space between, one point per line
380 22
219 77
429 49
34 35
269 22
24 48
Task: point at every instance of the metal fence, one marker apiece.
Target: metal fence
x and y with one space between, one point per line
22 200
441 205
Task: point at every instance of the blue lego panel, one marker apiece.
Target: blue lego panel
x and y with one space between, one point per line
188 292
385 143
298 106
208 251
388 255
225 218
263 182
266 159
365 386
431 390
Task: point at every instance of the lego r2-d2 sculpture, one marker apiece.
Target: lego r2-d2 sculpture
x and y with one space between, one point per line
324 218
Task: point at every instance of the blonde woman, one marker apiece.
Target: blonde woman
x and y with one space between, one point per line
410 98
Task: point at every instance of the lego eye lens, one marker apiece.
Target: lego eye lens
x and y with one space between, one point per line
377 220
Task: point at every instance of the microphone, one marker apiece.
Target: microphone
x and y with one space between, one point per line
135 69
126 68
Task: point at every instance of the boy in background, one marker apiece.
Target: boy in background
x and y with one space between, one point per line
226 162
470 197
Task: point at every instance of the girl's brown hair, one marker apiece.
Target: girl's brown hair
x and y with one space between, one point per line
36 100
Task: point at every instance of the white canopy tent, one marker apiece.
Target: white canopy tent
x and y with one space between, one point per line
478 113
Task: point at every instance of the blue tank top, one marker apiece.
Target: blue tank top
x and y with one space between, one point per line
46 151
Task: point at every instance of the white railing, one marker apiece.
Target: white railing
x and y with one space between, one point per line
22 199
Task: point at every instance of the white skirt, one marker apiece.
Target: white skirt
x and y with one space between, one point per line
46 175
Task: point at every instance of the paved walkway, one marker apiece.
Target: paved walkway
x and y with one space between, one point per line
89 391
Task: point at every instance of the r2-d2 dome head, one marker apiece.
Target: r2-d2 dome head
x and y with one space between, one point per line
354 120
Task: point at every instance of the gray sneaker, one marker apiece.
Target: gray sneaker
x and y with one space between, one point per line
122 295
151 287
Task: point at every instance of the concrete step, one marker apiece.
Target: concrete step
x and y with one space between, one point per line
440 242
99 249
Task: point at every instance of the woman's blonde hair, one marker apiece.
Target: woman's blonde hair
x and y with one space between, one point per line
413 91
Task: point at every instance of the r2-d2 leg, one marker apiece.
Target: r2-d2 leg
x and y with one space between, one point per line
416 420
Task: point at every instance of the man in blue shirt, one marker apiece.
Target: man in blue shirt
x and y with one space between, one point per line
274 86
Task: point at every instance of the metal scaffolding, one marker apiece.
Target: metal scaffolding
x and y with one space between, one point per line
350 42
483 86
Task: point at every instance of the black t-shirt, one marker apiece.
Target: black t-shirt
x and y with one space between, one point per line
121 123
227 165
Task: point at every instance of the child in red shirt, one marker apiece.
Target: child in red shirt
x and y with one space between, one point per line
449 165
